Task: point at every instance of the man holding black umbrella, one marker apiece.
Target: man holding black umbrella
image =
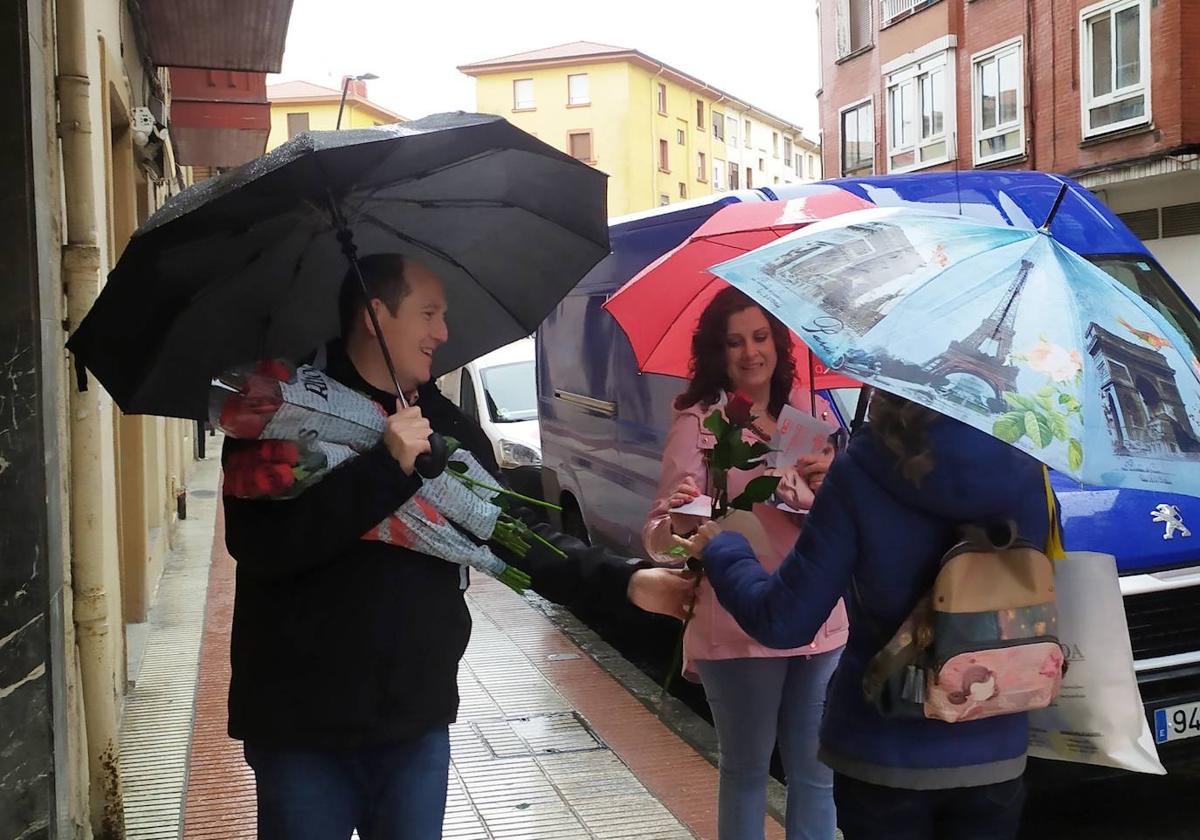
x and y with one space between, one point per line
345 650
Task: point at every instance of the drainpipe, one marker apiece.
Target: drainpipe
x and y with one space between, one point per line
654 137
81 275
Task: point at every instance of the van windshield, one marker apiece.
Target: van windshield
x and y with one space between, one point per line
1141 276
511 392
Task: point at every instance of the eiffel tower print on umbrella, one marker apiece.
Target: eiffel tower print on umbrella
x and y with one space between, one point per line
999 327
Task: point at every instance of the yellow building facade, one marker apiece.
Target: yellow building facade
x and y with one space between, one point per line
303 106
661 135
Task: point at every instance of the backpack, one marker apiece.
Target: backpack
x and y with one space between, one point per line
983 641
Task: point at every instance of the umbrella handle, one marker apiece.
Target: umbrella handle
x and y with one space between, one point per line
429 464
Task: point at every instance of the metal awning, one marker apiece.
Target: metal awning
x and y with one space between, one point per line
219 118
221 34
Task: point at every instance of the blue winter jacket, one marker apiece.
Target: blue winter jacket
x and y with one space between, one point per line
871 523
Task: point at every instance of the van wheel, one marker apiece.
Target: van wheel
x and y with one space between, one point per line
572 520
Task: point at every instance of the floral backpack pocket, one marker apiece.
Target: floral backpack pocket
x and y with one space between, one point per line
983 641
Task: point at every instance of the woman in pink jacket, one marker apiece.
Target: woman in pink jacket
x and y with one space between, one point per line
758 695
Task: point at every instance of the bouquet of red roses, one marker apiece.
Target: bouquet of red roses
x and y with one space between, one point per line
295 425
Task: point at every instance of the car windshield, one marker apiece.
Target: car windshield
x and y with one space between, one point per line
1142 276
511 392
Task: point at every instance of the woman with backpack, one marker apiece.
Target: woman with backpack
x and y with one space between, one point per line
891 507
757 694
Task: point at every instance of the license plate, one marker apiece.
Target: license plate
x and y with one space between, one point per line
1177 722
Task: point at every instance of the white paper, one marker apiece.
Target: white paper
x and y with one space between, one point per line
699 506
797 434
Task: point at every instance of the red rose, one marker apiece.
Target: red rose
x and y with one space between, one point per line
272 479
276 369
239 420
737 410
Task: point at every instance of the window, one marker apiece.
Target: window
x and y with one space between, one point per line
749 178
522 94
699 113
853 26
733 177
664 156
680 136
775 143
702 169
812 167
663 200
787 152
731 129
762 165
746 134
718 125
577 89
1114 58
919 124
297 123
799 167
718 174
997 103
662 99
510 391
579 145
858 139
682 190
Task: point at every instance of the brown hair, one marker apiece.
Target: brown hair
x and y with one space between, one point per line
709 372
385 279
901 425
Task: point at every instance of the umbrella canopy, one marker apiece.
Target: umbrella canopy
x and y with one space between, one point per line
247 266
660 307
1001 328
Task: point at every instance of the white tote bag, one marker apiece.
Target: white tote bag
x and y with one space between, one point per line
1098 717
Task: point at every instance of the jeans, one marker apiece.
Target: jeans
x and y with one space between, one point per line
391 792
754 703
874 812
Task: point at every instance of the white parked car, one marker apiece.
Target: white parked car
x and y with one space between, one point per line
499 391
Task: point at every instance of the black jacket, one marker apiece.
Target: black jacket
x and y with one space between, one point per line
341 642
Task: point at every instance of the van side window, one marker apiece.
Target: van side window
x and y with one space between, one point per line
466 396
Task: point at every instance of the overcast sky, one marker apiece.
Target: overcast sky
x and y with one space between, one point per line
415 47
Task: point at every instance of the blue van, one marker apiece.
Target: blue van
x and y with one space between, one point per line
603 424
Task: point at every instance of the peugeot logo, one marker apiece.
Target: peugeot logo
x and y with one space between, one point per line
1169 516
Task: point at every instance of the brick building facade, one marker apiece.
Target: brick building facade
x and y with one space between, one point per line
1105 92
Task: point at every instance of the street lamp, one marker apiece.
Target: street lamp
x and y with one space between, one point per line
345 87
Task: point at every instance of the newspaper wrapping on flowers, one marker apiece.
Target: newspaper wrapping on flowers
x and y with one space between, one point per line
304 425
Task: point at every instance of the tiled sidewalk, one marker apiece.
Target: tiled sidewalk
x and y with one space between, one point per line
547 745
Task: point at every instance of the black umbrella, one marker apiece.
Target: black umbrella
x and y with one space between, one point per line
247 266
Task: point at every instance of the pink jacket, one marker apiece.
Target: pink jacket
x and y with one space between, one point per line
712 632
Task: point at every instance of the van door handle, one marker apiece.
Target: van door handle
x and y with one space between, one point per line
604 407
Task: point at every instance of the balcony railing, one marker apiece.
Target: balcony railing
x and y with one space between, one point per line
892 9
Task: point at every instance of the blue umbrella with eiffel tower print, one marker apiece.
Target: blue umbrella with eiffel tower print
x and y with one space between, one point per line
1002 328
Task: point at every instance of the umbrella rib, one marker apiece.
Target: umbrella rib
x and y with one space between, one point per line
438 252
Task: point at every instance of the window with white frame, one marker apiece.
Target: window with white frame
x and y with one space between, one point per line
577 89
858 139
731 130
997 103
718 180
787 152
522 94
718 125
1115 62
919 125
